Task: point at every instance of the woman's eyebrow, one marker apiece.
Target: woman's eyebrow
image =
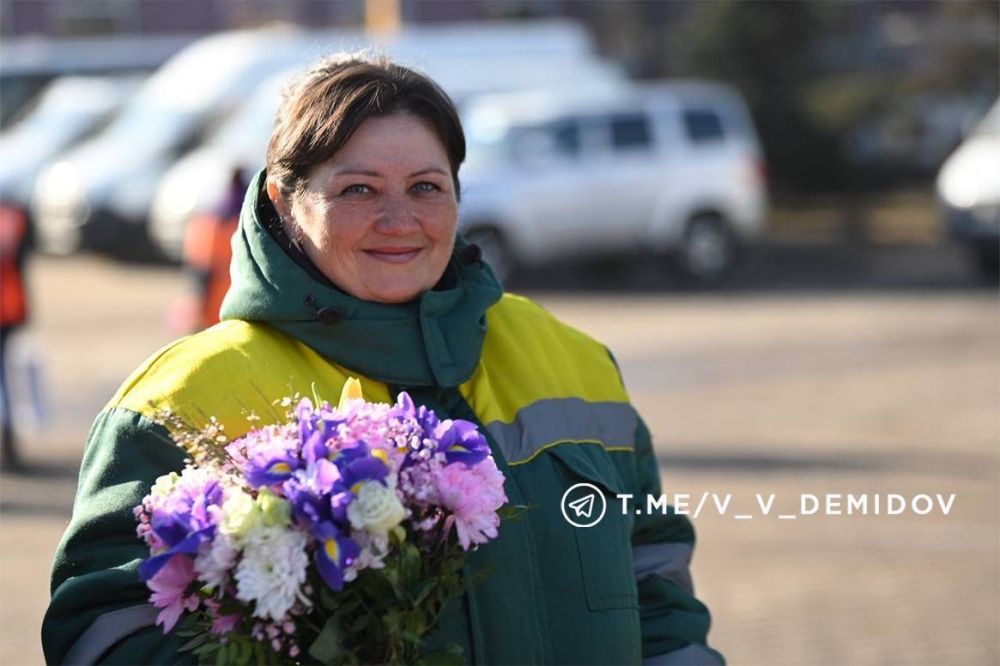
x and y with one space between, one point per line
436 170
358 171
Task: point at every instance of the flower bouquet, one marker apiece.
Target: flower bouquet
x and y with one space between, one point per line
334 536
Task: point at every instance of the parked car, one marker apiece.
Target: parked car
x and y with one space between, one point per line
198 181
67 111
673 167
466 60
99 194
968 189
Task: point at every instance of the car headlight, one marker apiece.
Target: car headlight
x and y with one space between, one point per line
62 186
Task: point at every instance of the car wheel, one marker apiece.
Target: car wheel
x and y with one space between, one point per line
494 248
987 258
707 252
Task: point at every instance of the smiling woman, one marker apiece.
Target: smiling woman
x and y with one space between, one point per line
346 262
379 217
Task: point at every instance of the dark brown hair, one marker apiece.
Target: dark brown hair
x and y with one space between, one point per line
322 109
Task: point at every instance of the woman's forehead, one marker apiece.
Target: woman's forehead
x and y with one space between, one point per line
399 143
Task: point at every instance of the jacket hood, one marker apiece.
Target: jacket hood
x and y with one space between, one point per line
434 340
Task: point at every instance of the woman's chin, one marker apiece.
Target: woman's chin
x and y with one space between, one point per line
391 294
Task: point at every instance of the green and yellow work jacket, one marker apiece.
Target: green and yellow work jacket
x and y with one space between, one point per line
549 399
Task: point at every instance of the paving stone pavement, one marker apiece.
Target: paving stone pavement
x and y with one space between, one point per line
881 392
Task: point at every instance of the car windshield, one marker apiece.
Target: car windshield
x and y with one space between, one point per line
248 129
488 140
63 109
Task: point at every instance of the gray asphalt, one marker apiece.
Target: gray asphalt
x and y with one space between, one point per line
819 370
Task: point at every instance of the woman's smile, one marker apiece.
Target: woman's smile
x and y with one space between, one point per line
393 255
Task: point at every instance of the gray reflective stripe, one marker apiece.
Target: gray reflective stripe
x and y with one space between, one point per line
107 630
670 560
689 655
554 420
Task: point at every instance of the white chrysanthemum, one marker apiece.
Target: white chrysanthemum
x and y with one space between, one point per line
376 508
215 560
272 571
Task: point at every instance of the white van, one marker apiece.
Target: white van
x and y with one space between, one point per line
99 194
968 190
673 168
68 109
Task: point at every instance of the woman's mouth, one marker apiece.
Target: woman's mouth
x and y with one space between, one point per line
393 255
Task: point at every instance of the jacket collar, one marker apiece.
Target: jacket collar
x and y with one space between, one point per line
434 340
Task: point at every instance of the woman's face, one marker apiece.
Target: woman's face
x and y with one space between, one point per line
378 218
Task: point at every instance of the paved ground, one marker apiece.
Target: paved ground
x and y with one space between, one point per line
830 370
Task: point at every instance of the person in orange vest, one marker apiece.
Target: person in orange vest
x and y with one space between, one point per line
13 313
208 251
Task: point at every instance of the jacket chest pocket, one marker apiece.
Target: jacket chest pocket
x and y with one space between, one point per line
605 547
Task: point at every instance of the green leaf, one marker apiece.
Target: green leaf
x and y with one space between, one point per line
243 651
328 645
197 641
360 623
222 656
452 655
209 648
328 600
424 591
392 620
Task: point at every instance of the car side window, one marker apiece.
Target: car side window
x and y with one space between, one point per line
630 131
553 141
566 137
703 125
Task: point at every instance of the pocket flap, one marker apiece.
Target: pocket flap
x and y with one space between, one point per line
591 463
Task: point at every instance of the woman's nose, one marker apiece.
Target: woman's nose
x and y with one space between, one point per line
395 217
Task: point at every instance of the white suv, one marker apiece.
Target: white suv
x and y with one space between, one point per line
675 168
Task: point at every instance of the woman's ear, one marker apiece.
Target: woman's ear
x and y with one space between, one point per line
278 199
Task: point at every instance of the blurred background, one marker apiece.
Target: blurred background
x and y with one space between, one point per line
783 217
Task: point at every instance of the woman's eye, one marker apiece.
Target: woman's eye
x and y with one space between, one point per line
357 188
425 186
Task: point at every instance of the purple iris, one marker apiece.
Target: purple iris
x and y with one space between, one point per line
427 419
461 441
361 469
183 523
310 491
315 429
271 458
336 551
268 470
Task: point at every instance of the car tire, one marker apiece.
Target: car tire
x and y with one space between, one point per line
707 251
495 249
987 259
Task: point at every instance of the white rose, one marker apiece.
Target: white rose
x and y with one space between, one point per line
375 509
237 514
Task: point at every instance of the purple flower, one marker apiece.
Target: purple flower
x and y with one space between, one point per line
183 519
271 456
311 490
316 429
336 552
367 468
424 417
461 441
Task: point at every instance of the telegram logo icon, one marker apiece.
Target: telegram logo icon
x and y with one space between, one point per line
583 505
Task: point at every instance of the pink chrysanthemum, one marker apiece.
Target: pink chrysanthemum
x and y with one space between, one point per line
473 495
